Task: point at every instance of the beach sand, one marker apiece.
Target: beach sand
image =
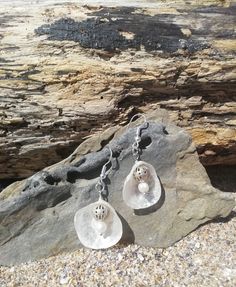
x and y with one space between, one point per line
206 257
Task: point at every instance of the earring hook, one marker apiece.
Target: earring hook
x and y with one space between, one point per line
135 146
104 173
100 186
140 116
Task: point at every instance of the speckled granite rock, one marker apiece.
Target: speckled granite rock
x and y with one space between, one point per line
36 215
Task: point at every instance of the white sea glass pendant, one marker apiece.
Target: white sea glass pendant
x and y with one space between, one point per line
97 225
142 187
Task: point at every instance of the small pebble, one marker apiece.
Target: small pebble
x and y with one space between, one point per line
197 245
140 257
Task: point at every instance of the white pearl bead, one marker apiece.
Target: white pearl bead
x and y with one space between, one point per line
100 227
143 187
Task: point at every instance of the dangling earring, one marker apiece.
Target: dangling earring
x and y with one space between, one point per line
98 225
142 187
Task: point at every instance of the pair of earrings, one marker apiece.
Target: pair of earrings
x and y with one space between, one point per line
97 225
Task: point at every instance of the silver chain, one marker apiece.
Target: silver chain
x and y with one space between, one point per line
100 186
136 151
135 147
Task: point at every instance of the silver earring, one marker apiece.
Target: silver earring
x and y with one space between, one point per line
142 187
98 225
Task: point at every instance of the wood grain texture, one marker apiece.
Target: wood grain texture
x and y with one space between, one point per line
69 70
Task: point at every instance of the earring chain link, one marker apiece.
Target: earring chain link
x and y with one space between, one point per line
100 185
135 146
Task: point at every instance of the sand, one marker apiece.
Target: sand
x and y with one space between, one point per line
206 257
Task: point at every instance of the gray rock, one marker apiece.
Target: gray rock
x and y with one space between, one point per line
36 215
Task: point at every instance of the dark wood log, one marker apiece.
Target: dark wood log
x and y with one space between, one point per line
70 70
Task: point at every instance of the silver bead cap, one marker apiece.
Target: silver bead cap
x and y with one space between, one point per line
100 212
141 173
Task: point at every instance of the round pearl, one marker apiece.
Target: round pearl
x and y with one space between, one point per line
143 187
100 227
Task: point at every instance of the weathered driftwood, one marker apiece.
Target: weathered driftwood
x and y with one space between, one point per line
70 70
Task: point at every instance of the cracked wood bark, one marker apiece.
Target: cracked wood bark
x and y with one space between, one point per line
70 70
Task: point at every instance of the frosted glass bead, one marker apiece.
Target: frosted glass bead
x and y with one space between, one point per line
143 187
100 227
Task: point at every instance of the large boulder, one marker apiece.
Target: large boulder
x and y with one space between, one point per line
36 215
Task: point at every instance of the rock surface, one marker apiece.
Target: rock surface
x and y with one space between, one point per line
36 215
69 70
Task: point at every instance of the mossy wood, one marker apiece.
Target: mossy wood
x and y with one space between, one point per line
69 70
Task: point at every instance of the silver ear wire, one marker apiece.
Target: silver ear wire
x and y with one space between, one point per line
135 146
105 172
136 116
100 186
